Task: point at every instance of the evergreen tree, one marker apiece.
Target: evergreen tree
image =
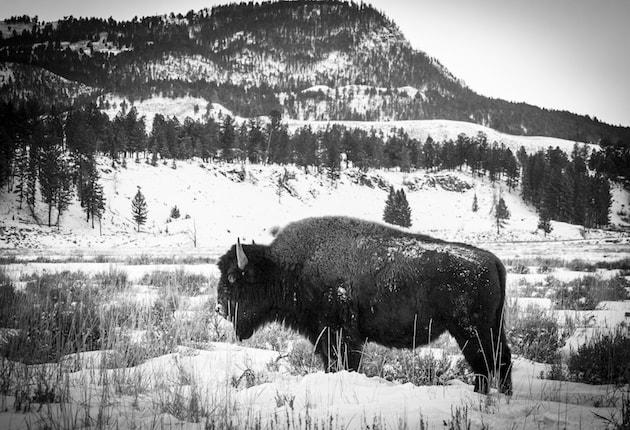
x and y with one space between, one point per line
333 155
35 138
255 142
403 209
544 223
397 210
501 214
94 200
175 212
54 168
20 172
389 213
7 153
475 205
227 138
64 192
139 209
50 176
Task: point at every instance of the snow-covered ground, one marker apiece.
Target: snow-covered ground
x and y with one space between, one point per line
275 398
180 108
220 202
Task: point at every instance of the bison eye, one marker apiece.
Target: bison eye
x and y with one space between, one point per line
231 278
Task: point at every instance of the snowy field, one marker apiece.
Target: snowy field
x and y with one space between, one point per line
220 202
171 362
227 385
206 379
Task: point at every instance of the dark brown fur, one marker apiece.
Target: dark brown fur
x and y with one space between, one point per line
365 281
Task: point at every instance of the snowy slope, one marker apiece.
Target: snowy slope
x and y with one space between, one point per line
442 130
221 207
439 130
181 107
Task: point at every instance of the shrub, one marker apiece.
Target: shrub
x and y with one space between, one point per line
535 336
274 336
174 212
113 279
604 360
184 282
520 269
302 359
404 365
54 316
586 292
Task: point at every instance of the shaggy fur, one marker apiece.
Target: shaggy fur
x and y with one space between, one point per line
342 281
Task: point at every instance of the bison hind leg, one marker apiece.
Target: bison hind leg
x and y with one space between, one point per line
489 357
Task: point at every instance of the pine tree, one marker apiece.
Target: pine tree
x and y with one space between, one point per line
397 210
501 214
227 138
64 192
544 223
94 200
32 169
98 204
50 175
139 209
475 205
404 211
20 172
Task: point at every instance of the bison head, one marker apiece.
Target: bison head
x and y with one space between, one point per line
244 293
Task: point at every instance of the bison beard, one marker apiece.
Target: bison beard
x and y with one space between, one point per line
365 281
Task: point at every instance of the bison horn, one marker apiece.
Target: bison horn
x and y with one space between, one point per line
241 258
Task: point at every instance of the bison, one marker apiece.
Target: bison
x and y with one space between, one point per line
342 281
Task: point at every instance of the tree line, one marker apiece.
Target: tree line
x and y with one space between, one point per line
299 35
58 151
563 189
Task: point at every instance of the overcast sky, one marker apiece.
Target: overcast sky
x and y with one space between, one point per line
561 54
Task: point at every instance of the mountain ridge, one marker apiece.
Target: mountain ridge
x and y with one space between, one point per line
257 57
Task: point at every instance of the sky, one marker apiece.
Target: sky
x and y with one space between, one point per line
558 54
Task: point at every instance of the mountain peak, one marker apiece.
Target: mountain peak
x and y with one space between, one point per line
257 57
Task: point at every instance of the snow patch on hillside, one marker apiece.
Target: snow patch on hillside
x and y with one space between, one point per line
620 207
442 130
181 107
220 202
6 74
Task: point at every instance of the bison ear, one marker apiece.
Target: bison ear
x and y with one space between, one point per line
241 258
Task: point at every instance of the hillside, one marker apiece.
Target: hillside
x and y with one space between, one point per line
225 201
439 130
311 60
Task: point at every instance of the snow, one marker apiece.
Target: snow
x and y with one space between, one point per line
410 91
180 107
135 272
221 207
607 318
344 399
620 208
442 130
6 74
